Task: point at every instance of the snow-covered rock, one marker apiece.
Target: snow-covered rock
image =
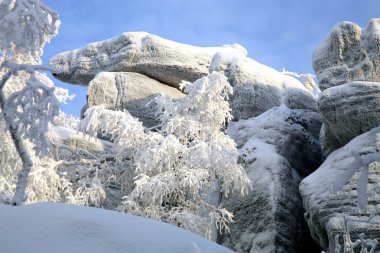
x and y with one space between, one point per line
295 98
347 111
59 228
129 91
166 61
257 87
277 149
293 133
349 53
78 152
69 139
330 193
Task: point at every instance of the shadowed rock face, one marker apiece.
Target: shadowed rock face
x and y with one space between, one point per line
348 54
325 205
347 111
129 91
277 149
252 100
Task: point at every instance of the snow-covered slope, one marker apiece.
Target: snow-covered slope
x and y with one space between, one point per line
61 228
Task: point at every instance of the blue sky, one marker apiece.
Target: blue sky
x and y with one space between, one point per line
278 33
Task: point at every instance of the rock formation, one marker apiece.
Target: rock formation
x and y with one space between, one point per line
327 203
68 144
349 53
347 111
257 87
129 91
278 148
170 62
276 126
163 60
347 66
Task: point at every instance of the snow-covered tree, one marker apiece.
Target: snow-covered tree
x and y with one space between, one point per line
183 166
27 100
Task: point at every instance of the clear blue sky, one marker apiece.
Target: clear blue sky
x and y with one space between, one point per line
278 33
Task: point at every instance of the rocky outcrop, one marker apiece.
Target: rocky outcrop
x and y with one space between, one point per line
348 54
330 193
79 153
257 88
277 149
129 91
278 142
348 68
170 62
347 111
166 61
295 98
289 131
68 144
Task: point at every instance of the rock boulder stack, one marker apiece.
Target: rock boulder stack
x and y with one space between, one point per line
257 87
276 123
348 54
348 68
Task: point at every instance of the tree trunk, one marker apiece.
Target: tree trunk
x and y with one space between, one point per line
27 166
27 163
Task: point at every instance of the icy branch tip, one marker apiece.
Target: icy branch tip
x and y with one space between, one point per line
29 67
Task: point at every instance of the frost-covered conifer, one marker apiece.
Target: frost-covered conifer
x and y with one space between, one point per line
179 166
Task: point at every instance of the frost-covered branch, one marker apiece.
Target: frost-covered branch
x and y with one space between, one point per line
27 114
348 244
29 111
30 68
26 26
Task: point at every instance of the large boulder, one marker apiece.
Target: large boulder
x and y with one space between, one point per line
277 149
348 54
330 194
129 91
257 87
77 155
68 144
347 111
166 61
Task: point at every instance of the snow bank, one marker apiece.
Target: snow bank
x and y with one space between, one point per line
60 228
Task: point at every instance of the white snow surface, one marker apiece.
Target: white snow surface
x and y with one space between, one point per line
61 228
